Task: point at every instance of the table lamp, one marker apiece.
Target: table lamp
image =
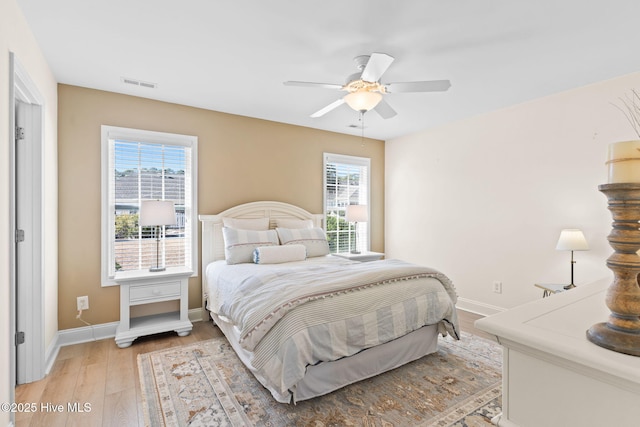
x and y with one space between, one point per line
356 214
572 240
157 213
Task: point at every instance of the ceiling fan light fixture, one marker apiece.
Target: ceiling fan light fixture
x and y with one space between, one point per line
363 100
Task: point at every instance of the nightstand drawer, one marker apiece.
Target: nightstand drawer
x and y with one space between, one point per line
143 294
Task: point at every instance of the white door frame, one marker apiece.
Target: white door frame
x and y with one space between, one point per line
27 279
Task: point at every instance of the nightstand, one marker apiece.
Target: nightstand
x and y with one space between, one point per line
550 288
148 288
364 256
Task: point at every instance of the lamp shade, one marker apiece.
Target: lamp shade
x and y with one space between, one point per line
157 212
357 213
572 240
362 100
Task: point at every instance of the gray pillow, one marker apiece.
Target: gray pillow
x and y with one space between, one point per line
239 244
314 239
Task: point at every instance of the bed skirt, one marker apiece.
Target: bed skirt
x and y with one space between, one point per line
326 377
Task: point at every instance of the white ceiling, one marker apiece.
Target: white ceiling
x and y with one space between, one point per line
233 56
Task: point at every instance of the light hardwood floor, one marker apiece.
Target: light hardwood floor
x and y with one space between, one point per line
467 319
101 374
106 377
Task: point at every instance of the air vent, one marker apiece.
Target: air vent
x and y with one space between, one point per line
140 83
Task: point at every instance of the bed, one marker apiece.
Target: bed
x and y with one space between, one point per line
308 325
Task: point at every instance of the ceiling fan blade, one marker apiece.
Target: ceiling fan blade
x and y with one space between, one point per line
426 86
310 84
385 110
328 108
375 68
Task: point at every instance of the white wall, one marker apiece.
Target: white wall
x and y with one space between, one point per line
484 199
15 36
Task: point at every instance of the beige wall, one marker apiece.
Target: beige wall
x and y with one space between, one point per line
484 199
15 36
240 160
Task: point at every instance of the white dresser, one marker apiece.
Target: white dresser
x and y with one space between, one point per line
552 375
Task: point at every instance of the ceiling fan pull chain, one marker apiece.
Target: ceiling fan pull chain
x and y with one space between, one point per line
362 126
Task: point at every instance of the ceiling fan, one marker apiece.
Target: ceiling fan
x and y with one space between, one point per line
365 89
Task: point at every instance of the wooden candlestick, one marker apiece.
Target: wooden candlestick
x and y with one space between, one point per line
621 333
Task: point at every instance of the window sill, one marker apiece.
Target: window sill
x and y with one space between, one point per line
127 276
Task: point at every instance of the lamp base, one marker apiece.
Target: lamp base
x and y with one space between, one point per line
619 341
156 269
570 286
621 333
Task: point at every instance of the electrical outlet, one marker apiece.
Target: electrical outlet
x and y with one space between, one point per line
497 287
83 303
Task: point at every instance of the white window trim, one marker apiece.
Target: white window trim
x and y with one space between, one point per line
113 132
352 160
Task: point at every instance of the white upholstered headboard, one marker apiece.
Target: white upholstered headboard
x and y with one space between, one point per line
213 243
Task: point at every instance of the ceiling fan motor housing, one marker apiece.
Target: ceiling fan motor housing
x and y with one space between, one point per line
352 78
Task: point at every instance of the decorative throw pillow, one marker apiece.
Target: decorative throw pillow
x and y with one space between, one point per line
314 239
279 254
239 244
246 223
294 223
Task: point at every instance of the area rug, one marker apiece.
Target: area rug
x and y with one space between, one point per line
205 384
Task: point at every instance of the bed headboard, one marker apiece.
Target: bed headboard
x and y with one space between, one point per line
213 243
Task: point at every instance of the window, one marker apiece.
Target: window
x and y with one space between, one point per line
346 182
143 165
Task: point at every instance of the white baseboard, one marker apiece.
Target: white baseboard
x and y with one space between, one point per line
195 314
87 333
51 355
94 333
478 307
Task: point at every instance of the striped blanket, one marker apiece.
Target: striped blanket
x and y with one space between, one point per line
293 315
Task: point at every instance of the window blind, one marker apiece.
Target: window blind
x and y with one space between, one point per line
346 182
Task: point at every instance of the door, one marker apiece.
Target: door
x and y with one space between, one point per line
27 254
23 236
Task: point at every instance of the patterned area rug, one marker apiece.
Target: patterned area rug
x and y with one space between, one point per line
205 384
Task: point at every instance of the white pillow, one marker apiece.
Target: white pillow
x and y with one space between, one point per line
246 223
239 244
279 254
294 223
314 239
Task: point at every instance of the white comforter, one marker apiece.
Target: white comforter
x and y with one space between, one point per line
297 314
